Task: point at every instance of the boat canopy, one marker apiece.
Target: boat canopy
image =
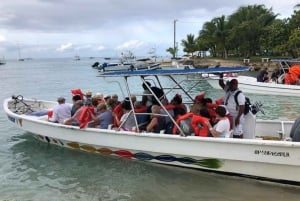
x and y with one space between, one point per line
162 72
183 86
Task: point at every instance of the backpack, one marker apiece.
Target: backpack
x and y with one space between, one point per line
247 102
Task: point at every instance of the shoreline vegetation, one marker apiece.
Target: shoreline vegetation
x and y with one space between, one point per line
255 63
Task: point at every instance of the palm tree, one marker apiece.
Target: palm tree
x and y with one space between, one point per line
172 51
221 34
190 44
207 37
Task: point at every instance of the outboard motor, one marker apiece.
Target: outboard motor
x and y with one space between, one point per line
96 65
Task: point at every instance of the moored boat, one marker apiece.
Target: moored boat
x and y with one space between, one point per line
268 155
250 84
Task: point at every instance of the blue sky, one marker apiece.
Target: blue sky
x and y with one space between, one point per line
105 28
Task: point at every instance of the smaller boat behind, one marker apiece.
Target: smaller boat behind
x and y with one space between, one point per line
2 62
77 58
249 84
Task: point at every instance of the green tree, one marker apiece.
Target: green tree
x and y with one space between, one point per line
273 38
220 34
190 44
293 43
246 26
206 39
172 51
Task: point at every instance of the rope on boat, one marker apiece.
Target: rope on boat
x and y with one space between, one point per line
19 99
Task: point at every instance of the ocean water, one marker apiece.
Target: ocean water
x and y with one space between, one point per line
33 170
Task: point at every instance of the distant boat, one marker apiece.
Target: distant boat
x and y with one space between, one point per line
107 58
76 58
2 61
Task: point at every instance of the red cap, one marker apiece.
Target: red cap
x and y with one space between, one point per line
234 81
199 97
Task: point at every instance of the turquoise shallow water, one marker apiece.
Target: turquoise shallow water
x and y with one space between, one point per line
32 170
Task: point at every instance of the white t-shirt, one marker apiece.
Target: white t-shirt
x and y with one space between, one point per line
231 104
223 127
129 121
61 112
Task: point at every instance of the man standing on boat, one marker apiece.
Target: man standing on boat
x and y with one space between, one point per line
232 97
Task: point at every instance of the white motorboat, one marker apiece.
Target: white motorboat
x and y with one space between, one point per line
275 86
266 154
249 84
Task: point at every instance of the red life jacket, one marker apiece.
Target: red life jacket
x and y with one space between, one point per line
85 116
202 131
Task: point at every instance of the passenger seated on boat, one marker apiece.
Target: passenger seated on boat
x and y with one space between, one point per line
127 121
117 113
192 124
115 101
103 118
157 122
222 127
199 98
206 109
262 75
77 92
61 112
142 119
108 101
170 110
75 119
99 97
295 131
87 101
275 75
74 99
95 104
146 99
178 105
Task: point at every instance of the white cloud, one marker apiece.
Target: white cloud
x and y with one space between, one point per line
2 39
129 45
65 47
100 47
47 24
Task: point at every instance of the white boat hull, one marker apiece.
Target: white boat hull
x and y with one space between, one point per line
250 85
267 159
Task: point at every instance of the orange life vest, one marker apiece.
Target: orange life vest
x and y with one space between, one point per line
85 116
202 131
293 75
